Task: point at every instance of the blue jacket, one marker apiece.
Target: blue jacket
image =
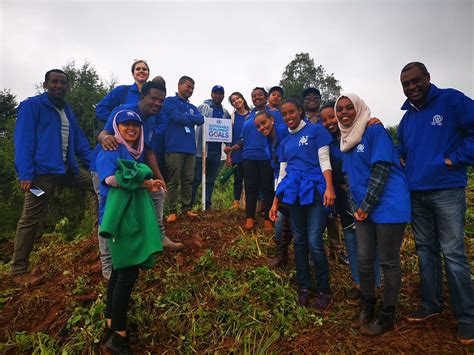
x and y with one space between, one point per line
442 128
38 143
123 94
181 117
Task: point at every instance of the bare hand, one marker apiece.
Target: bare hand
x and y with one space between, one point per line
448 163
360 215
228 150
329 197
25 185
273 213
402 162
109 142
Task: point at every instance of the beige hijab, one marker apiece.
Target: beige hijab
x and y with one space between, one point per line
351 136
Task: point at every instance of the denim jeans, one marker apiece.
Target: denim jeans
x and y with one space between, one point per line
213 161
308 224
350 240
159 202
104 251
387 240
438 225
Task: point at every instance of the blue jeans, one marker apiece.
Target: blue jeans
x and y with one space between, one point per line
213 161
438 225
308 224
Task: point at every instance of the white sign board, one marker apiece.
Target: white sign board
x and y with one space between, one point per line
217 130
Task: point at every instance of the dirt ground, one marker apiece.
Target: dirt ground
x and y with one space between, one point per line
43 307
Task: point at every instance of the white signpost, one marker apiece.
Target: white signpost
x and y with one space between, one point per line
215 130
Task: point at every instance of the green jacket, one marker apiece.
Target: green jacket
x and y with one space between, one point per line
130 219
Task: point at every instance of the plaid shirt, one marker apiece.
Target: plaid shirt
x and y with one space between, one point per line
378 177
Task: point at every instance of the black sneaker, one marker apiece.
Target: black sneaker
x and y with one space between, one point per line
354 294
303 296
421 315
118 345
342 257
465 333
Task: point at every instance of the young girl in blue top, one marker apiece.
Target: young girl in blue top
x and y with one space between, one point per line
328 119
380 201
128 130
275 134
238 117
306 186
258 172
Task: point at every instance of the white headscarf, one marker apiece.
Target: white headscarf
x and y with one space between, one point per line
136 153
351 136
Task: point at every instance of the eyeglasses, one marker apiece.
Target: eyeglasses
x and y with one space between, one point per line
312 98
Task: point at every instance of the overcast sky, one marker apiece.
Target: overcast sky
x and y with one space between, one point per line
242 44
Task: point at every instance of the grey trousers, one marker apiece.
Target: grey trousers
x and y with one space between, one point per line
180 177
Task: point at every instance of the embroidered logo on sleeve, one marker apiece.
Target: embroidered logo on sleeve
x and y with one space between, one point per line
437 120
303 141
360 148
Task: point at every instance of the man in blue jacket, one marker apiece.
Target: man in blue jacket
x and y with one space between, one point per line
436 137
47 140
180 146
210 108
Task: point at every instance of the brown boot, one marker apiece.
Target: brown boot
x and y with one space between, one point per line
249 223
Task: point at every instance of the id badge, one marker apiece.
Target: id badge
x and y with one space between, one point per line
186 129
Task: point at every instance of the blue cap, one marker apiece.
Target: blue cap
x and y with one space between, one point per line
217 88
277 88
310 90
127 115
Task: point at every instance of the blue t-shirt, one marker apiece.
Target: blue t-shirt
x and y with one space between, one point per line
377 146
239 121
274 147
304 175
107 166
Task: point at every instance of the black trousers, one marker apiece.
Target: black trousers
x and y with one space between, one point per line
238 180
258 175
118 295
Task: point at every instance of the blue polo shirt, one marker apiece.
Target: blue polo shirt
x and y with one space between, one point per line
377 146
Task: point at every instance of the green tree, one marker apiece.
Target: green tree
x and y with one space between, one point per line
11 200
86 90
301 73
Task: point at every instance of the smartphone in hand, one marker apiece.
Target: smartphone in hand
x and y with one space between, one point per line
35 190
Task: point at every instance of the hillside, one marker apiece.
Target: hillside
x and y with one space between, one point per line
217 295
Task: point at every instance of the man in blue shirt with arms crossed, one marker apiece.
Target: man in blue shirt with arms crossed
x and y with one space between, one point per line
436 137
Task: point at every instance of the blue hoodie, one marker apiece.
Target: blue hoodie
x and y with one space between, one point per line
181 118
123 94
442 128
38 142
